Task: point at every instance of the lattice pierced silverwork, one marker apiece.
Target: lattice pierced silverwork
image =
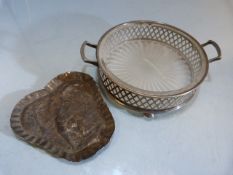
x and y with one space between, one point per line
140 101
160 33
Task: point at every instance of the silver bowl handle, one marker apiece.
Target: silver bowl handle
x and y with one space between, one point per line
216 46
82 52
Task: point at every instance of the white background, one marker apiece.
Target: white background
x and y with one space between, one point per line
40 39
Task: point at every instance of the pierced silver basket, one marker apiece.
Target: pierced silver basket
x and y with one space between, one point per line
150 67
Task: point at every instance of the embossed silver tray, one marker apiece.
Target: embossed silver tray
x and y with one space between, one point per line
150 67
68 118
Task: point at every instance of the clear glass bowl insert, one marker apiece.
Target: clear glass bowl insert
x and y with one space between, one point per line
149 65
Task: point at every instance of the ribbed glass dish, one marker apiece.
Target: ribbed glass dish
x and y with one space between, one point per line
149 65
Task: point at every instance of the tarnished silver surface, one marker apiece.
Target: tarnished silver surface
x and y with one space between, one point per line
68 118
